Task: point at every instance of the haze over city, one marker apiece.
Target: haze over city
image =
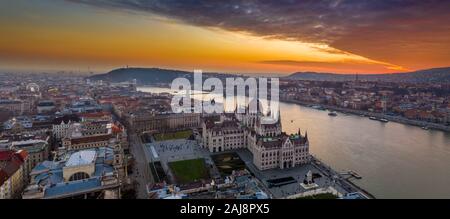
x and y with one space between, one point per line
232 36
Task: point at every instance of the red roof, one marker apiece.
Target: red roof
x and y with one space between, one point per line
10 162
3 177
23 154
5 155
116 129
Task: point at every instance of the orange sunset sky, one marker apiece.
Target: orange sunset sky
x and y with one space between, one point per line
279 36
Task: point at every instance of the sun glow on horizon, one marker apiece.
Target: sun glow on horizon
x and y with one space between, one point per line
87 38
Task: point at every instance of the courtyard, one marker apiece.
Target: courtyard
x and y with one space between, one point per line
168 153
227 162
188 171
184 162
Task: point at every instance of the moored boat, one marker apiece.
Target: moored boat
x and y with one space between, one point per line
384 120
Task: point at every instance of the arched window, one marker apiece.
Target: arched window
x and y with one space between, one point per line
79 176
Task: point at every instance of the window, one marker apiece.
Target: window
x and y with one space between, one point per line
79 176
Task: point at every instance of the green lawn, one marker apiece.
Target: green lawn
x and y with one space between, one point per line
173 135
320 196
187 171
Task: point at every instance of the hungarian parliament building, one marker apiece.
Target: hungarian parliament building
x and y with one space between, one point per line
271 148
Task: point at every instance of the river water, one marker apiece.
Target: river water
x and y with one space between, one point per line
395 160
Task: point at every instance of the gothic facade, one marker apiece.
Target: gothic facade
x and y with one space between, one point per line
271 148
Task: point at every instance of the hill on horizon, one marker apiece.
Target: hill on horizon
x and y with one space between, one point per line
158 75
426 75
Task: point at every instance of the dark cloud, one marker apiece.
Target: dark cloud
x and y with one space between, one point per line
382 29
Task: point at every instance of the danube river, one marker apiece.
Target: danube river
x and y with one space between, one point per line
395 160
